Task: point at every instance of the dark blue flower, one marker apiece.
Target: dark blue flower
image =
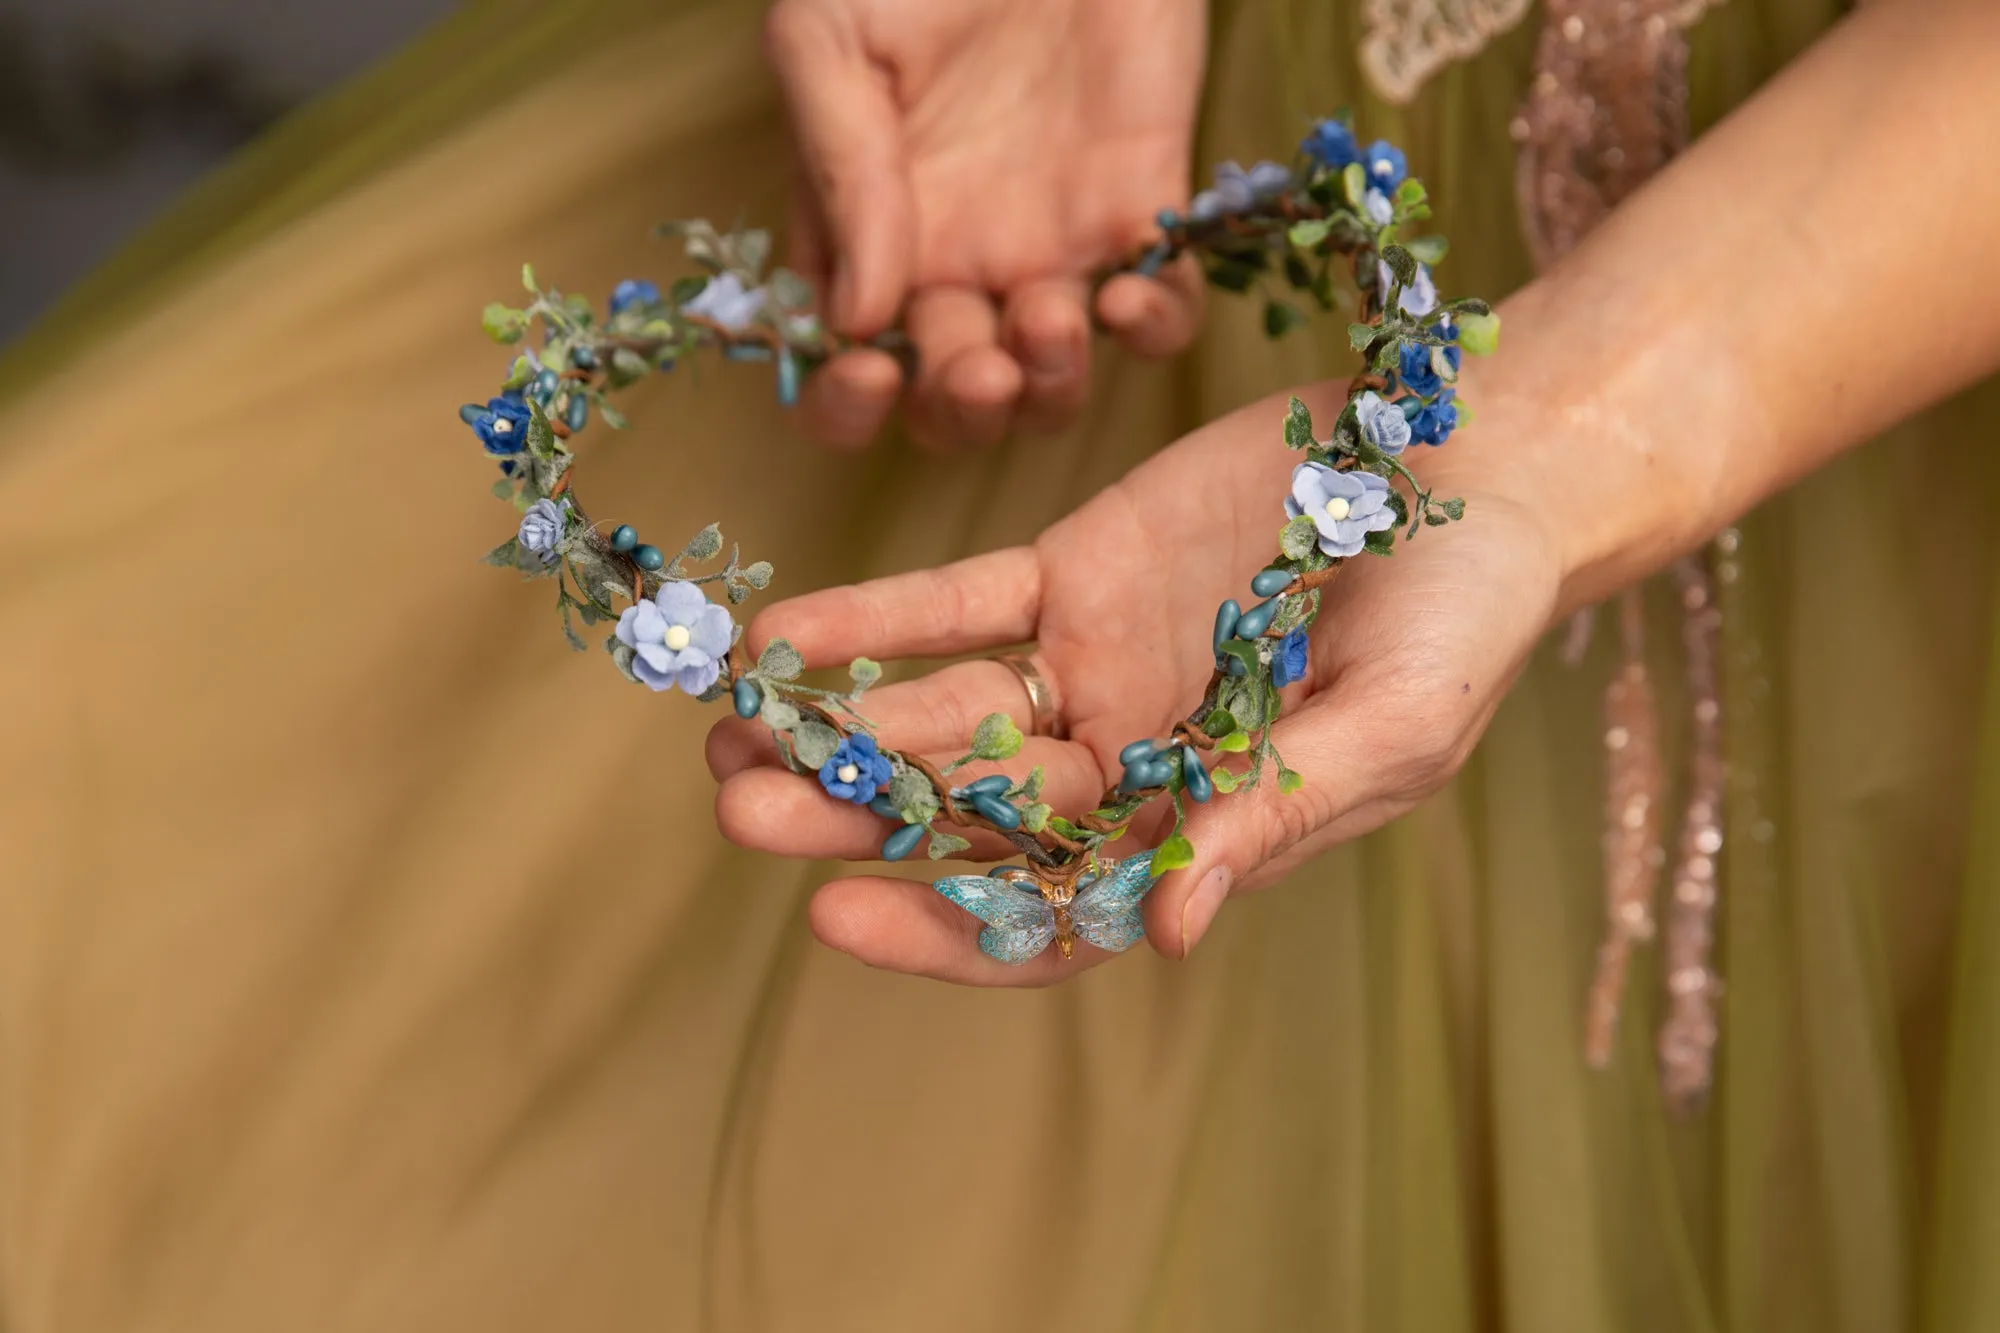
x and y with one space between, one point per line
1416 371
1331 143
1435 423
503 426
1288 664
856 771
633 291
1386 165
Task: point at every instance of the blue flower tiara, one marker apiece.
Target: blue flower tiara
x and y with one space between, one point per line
1339 207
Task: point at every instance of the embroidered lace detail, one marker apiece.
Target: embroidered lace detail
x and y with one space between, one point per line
1410 40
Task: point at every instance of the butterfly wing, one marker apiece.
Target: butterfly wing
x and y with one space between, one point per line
1106 911
1019 924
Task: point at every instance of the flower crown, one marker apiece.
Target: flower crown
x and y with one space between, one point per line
1339 206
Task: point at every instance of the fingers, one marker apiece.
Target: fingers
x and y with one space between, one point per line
966 386
906 926
1046 329
850 138
987 601
1155 316
847 401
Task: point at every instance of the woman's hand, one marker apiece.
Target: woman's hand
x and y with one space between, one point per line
978 160
1409 658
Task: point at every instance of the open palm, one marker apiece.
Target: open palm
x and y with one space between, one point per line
1409 658
978 161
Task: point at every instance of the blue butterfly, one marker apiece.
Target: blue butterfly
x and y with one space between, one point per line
1021 922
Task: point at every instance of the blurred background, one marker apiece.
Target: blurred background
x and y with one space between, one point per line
109 108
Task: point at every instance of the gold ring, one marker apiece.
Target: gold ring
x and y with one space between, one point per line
1041 695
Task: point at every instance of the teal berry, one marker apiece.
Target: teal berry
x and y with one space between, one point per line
1271 582
885 807
578 412
1168 219
996 785
997 812
583 358
749 700
1195 777
1257 619
1134 752
1225 622
902 842
648 558
625 538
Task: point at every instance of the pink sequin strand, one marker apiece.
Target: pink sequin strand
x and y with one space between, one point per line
1608 108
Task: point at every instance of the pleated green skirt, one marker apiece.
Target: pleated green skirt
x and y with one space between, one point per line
369 962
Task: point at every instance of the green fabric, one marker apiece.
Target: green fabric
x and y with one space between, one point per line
1362 1107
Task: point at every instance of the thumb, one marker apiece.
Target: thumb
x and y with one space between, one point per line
849 133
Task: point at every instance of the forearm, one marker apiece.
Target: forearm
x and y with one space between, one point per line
1817 267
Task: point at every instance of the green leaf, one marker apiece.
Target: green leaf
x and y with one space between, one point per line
569 630
1243 651
704 545
628 367
685 290
1231 275
528 279
757 575
780 661
1360 335
1305 235
1401 263
1354 183
1411 191
946 844
996 737
518 375
1380 543
1479 334
790 291
1030 787
778 714
1298 538
506 555
1236 742
910 792
1176 853
1463 410
1035 817
1280 318
1288 781
1454 508
503 489
613 417
503 323
1435 520
1220 722
1298 425
1224 780
814 742
864 671
1063 826
541 438
1428 249
1297 272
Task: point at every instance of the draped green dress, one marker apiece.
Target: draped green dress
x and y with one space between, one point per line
369 962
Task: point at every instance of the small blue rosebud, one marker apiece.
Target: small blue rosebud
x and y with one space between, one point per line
1225 622
648 558
997 812
1257 619
902 842
1271 582
747 698
1332 144
625 538
1134 752
1194 776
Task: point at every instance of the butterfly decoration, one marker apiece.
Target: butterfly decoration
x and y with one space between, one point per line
1022 921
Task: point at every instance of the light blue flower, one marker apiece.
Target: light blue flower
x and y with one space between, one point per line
1331 143
1385 164
542 528
1239 191
857 770
1419 298
1382 422
1344 506
1377 208
726 301
678 638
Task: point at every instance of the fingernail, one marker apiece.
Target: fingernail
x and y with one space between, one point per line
1202 906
